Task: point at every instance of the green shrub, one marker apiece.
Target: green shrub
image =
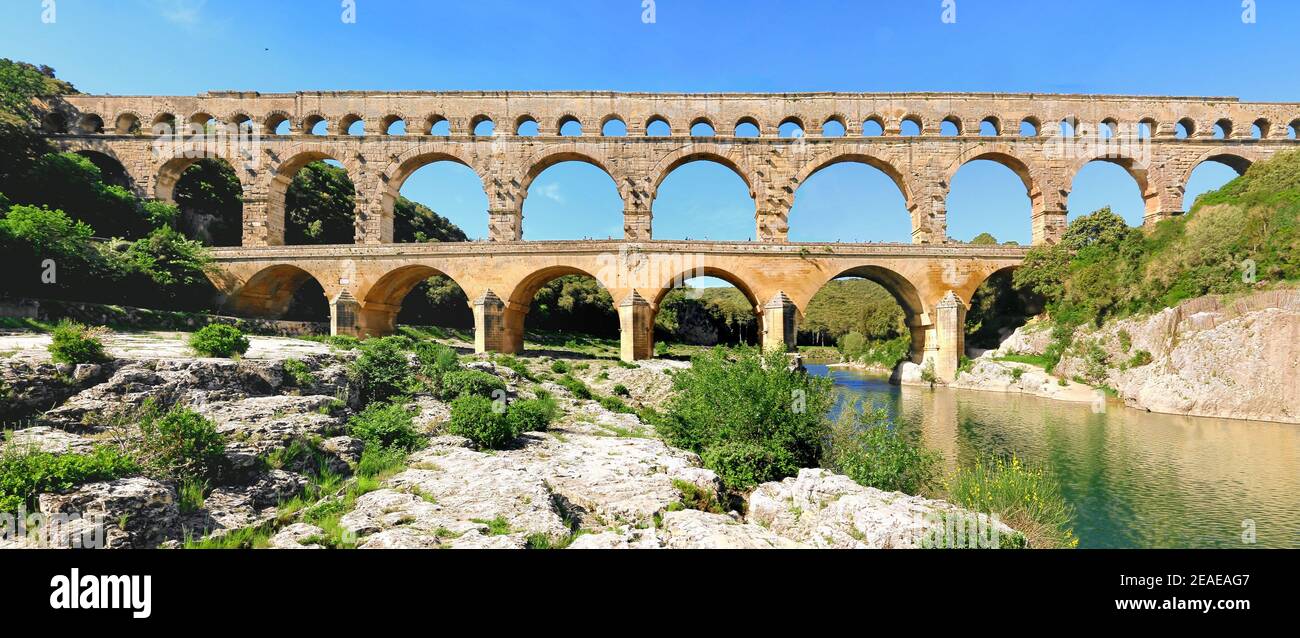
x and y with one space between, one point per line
24 474
298 373
560 367
191 495
386 425
75 343
436 360
219 340
177 445
752 420
471 382
576 386
379 461
515 363
1139 359
532 415
1026 498
480 420
615 404
382 371
622 391
865 447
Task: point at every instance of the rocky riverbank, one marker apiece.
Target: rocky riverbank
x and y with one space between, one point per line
596 479
1229 358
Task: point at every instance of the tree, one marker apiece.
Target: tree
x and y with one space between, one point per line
1099 227
211 202
320 206
984 239
415 222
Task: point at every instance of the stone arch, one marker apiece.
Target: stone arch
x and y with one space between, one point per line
521 295
90 124
241 120
912 118
838 118
1005 155
348 121
271 121
816 165
406 164
282 172
612 117
270 291
311 119
567 118
127 123
1238 160
426 125
388 121
878 120
111 167
1139 171
574 152
751 120
955 121
995 122
163 124
650 121
682 275
382 302
903 290
705 120
704 152
481 118
521 121
170 171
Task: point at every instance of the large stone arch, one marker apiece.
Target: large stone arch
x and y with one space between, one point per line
499 323
104 155
1047 213
1138 170
861 156
917 310
381 301
171 169
268 292
768 229
402 167
591 154
282 171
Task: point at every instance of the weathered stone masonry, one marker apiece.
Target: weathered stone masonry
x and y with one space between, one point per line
366 282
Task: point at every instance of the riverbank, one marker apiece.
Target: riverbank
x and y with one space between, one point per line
597 477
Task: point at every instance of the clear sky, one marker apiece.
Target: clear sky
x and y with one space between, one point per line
1165 47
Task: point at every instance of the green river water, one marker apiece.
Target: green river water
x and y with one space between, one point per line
1135 479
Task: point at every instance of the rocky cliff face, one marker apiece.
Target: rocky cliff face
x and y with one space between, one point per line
1237 359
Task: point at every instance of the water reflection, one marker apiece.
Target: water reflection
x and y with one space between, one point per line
1135 479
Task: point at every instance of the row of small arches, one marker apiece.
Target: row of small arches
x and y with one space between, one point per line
658 126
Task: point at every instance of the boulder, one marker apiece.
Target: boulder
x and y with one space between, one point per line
830 511
131 513
692 529
297 536
47 439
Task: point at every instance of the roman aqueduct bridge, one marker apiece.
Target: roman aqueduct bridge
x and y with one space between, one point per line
919 140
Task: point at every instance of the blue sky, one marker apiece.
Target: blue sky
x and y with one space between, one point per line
1179 47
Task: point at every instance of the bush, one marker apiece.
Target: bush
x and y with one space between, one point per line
576 386
298 373
177 445
865 447
481 421
560 367
622 391
75 343
386 425
752 419
741 465
382 371
1025 498
219 340
471 382
532 415
436 360
24 474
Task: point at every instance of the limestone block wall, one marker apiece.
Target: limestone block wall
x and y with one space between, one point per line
156 137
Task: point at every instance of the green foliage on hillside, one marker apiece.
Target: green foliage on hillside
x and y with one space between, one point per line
320 206
1104 269
211 202
415 222
852 305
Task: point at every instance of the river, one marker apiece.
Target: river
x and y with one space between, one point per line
1134 479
